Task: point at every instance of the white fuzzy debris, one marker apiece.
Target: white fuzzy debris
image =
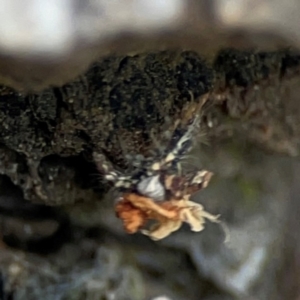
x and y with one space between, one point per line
151 187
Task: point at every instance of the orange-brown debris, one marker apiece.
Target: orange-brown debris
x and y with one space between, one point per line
136 210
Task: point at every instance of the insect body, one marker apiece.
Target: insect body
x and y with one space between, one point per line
157 188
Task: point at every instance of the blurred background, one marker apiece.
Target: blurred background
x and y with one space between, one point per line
68 68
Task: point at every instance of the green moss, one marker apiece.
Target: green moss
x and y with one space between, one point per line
250 190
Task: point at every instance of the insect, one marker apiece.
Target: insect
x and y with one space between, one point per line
157 188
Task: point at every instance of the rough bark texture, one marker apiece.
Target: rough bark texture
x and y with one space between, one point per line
121 101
